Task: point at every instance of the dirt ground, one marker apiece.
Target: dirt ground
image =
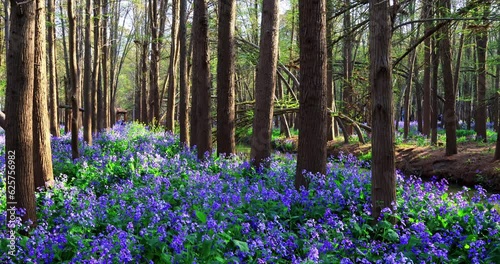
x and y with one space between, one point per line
472 165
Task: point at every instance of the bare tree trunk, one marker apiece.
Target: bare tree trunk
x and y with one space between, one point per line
348 66
104 95
225 77
67 121
449 115
497 88
201 78
183 74
434 88
20 185
330 93
42 152
144 84
426 105
383 155
87 76
311 154
172 70
74 81
96 66
265 84
154 94
481 46
51 37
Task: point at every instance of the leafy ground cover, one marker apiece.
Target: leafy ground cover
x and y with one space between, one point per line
136 196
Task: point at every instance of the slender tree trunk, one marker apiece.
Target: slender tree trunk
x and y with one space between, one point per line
481 46
449 115
96 66
42 152
67 121
74 81
434 88
225 77
348 66
104 95
201 78
172 70
144 83
20 185
383 167
154 94
265 84
183 77
330 93
311 154
426 105
87 76
51 38
497 88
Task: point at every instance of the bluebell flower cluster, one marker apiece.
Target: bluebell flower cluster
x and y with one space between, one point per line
138 196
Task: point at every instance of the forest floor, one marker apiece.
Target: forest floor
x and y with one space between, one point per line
471 166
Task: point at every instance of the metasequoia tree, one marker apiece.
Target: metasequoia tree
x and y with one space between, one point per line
87 76
449 115
201 80
225 78
481 47
172 69
42 153
311 154
183 76
265 83
20 185
52 73
74 81
383 167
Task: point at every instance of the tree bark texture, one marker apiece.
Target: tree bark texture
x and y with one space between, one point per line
201 78
20 185
311 153
87 76
42 152
74 81
225 78
183 77
265 83
383 154
51 47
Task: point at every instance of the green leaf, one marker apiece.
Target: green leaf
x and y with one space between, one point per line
242 245
201 216
392 236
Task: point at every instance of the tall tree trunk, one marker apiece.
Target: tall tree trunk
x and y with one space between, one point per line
265 83
20 185
51 48
67 111
104 94
426 104
434 88
481 46
154 94
348 66
183 77
144 83
42 152
311 153
497 88
225 77
449 115
74 81
172 70
383 167
330 91
96 66
201 78
87 76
